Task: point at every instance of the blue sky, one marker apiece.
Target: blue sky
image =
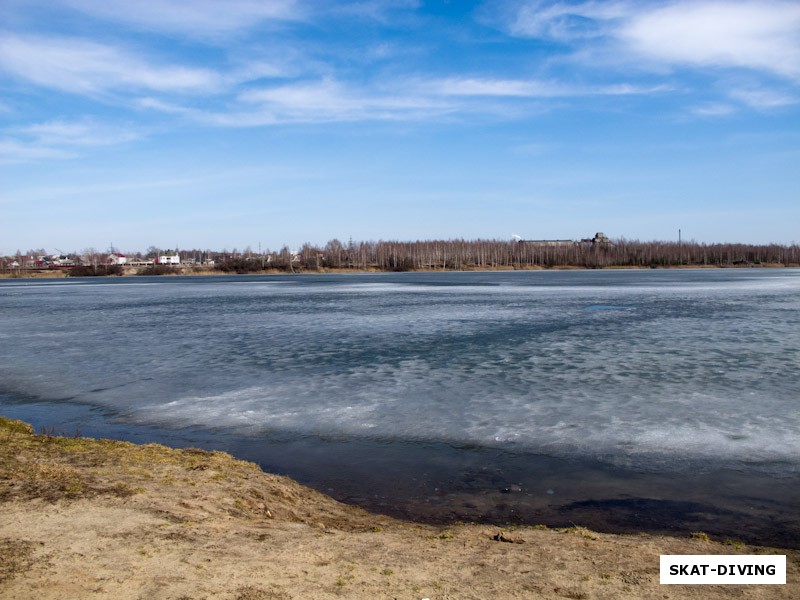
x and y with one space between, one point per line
212 124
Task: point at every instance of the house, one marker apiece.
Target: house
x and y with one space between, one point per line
117 259
168 259
61 261
599 240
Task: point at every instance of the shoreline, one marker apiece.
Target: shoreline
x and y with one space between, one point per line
212 272
97 518
439 484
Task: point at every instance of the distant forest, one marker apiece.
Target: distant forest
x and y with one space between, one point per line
495 254
437 255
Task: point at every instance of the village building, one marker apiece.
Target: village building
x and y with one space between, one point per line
599 240
168 259
548 243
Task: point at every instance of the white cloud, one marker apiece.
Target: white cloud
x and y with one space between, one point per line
762 35
713 109
193 18
151 103
520 88
378 10
564 21
79 66
15 151
763 98
318 101
85 132
210 19
330 100
756 35
458 86
61 139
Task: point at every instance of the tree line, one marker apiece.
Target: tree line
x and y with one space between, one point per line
462 254
454 254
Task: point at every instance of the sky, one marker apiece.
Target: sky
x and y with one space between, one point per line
225 124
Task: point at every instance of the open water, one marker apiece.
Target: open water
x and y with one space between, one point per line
625 400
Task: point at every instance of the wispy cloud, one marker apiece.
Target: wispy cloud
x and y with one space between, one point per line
61 139
468 86
563 21
378 10
287 80
763 98
713 109
85 132
332 100
520 88
195 18
761 35
215 20
758 35
79 66
15 151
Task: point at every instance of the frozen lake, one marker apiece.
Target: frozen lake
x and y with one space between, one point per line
488 395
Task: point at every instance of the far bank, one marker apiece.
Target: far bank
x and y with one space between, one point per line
177 271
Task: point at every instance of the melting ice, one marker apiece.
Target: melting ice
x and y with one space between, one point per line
657 370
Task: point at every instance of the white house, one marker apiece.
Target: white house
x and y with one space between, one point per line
169 259
117 259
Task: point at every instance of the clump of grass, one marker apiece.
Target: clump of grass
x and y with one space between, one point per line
571 593
255 593
15 558
442 535
343 580
582 531
735 543
15 426
700 535
53 468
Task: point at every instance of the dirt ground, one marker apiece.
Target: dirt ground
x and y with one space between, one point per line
83 518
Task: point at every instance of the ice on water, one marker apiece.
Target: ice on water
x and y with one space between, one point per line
649 369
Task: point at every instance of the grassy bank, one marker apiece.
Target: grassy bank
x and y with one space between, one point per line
83 518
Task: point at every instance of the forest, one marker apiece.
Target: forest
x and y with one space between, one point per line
459 255
431 255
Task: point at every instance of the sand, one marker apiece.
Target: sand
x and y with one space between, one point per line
83 518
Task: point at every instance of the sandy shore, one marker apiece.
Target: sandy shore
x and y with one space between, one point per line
82 518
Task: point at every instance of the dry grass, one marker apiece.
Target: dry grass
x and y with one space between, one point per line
53 468
84 518
15 557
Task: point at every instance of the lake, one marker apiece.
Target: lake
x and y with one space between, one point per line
663 400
